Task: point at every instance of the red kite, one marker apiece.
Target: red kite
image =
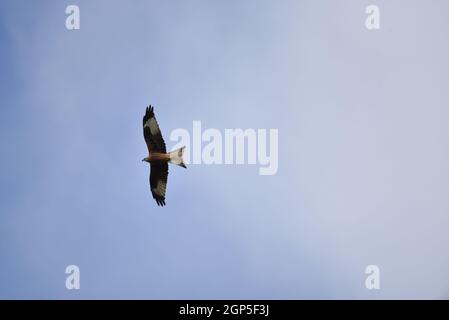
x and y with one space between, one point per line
158 157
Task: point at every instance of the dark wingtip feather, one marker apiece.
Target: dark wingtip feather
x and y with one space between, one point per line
160 202
148 114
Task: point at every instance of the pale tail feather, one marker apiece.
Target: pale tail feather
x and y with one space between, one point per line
176 157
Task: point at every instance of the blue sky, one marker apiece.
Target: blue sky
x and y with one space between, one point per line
363 149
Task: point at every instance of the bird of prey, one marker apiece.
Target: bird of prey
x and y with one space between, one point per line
158 157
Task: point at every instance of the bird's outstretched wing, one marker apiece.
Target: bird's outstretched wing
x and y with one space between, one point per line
158 181
152 132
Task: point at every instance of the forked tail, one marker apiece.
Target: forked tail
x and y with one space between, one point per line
176 157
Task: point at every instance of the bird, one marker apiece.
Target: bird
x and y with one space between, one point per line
158 158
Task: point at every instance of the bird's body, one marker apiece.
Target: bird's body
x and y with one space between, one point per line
158 157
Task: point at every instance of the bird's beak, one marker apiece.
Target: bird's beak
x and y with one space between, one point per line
143 159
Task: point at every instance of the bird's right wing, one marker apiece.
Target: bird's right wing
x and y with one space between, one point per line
158 181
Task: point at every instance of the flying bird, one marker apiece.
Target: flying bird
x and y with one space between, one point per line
158 158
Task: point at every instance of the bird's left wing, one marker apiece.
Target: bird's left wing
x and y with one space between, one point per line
158 181
152 132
